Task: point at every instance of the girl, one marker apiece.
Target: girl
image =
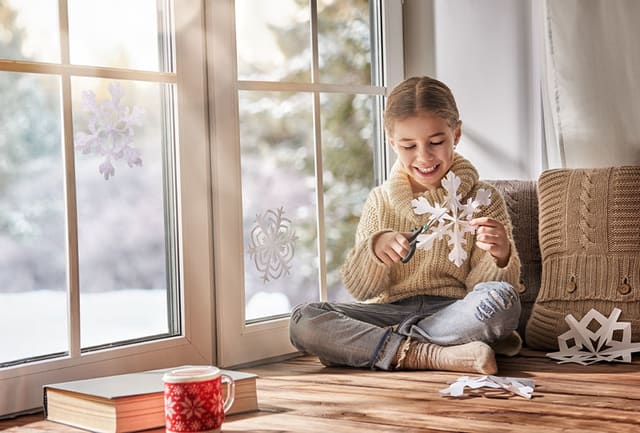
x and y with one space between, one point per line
427 313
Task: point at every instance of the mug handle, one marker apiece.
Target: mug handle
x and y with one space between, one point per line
231 391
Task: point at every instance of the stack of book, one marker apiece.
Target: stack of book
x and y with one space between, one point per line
128 402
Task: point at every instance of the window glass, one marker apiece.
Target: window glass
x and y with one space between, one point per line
33 296
99 204
277 141
273 40
121 145
344 41
115 33
347 136
279 202
29 30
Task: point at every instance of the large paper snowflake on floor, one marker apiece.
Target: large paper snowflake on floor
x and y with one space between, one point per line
110 130
272 244
583 345
450 218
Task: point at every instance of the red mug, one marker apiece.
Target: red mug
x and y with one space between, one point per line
193 399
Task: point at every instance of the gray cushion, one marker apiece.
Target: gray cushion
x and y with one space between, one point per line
522 204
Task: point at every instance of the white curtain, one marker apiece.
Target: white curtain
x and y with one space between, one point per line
591 90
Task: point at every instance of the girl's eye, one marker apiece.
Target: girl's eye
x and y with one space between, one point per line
409 146
435 143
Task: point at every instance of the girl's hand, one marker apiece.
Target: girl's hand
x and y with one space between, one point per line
391 247
491 236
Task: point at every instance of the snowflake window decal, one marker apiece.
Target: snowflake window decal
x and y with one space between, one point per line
110 130
450 218
272 244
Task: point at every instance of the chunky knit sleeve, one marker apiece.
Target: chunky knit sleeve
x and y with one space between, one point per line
483 267
363 274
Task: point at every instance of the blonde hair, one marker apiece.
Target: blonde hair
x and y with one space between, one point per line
418 95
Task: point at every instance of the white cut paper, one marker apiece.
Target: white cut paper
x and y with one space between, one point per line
110 130
452 217
583 346
515 385
272 244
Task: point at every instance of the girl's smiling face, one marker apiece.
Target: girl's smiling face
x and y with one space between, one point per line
425 146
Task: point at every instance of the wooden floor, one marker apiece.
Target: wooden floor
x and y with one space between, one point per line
301 395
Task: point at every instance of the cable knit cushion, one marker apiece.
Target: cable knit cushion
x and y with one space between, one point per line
590 248
522 204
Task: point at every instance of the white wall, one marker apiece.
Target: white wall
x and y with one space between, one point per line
487 52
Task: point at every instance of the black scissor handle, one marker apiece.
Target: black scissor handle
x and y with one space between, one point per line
413 239
410 254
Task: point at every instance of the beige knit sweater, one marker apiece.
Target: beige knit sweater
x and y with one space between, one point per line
429 272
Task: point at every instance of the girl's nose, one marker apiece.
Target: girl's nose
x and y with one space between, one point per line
425 153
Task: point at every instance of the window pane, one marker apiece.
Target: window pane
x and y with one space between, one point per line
29 30
279 202
273 40
123 233
347 135
344 41
32 219
116 33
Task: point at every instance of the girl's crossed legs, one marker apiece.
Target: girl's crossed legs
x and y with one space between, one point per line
370 335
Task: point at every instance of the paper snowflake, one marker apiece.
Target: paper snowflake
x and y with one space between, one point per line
514 385
583 346
450 218
272 244
110 130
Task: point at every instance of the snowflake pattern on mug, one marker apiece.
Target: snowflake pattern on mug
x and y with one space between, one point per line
110 130
191 407
170 407
272 244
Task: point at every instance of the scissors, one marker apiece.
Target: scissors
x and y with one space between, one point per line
413 240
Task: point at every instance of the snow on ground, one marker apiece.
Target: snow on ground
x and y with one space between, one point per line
35 323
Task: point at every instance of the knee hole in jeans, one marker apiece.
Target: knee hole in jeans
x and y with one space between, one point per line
500 298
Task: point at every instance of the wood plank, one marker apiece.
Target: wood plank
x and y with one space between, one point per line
601 386
420 402
314 423
469 422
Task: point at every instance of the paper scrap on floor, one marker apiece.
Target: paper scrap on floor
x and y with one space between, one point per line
515 385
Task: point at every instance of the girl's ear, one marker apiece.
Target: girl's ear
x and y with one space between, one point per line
457 133
393 145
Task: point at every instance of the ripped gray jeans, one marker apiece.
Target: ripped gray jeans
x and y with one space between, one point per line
369 335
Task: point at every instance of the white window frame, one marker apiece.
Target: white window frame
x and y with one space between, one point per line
21 385
240 343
